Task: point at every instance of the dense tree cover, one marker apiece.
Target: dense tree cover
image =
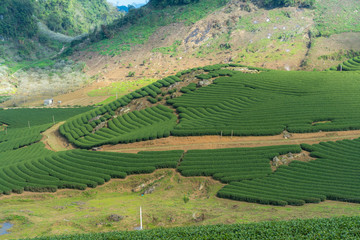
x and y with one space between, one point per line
164 3
74 16
289 3
16 18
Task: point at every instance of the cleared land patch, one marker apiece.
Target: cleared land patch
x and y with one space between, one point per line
216 142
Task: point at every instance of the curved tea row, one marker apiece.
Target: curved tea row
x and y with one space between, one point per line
334 175
80 169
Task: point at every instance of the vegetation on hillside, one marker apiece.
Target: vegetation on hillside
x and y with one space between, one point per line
139 24
288 3
74 17
349 65
18 18
333 228
246 101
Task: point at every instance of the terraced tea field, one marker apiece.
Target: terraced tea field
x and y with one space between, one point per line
223 100
233 104
349 65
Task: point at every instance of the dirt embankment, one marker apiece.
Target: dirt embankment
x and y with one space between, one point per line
54 141
216 142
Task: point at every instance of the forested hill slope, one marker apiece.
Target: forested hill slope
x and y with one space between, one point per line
18 18
37 35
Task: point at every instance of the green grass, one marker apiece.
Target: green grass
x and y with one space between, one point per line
121 88
168 50
59 213
332 16
15 66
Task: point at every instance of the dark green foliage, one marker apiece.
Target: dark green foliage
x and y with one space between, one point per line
17 18
164 3
152 100
188 88
151 123
233 164
288 3
20 117
73 16
270 102
349 65
334 176
328 228
78 169
67 16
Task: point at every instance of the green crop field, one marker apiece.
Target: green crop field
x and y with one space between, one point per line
233 164
17 118
269 103
231 102
76 169
349 65
333 228
23 126
334 175
237 103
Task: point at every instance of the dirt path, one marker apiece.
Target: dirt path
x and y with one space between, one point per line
214 142
54 141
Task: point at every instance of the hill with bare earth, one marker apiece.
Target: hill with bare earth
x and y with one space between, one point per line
34 39
153 42
289 38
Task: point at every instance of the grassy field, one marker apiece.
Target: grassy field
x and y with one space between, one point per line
72 211
333 17
120 88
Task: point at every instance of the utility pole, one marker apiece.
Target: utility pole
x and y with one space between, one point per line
141 227
29 124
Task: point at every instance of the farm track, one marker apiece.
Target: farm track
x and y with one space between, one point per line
54 141
216 142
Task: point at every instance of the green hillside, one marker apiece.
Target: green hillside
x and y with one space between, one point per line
236 103
71 17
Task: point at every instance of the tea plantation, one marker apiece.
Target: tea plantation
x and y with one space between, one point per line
333 228
334 175
236 103
222 100
77 169
349 65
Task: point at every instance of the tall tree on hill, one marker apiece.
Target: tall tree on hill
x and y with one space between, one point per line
17 18
164 3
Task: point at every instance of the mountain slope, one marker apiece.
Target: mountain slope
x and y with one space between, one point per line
209 32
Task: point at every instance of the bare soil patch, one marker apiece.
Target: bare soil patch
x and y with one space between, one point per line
54 141
216 142
286 159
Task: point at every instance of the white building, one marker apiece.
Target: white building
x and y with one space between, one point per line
48 102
